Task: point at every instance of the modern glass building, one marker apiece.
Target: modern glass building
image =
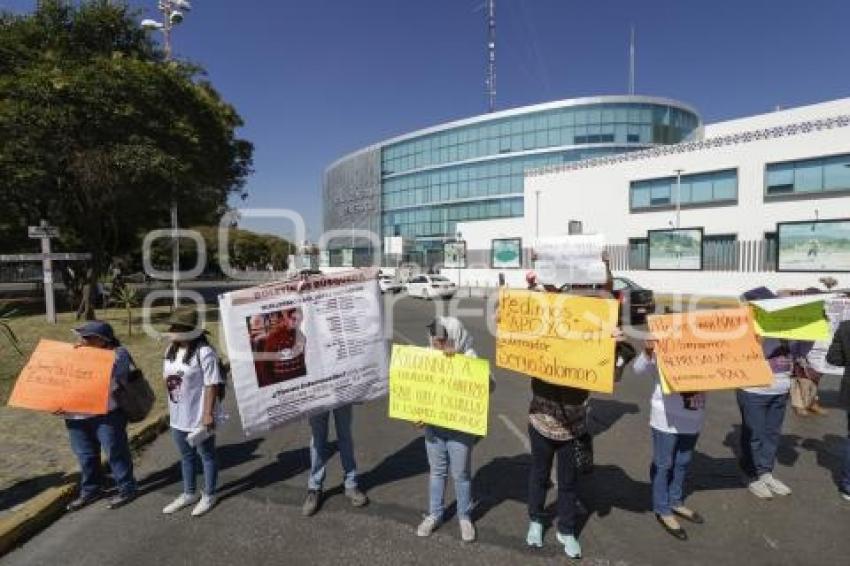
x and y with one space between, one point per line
418 186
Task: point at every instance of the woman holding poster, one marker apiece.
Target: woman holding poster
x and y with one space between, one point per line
89 434
763 413
193 379
557 418
676 421
449 450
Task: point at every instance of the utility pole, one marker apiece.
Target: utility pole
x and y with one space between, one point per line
172 14
632 61
491 56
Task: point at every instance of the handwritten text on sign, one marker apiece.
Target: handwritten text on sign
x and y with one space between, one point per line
559 338
447 391
707 350
59 376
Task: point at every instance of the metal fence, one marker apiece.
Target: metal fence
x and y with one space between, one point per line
741 256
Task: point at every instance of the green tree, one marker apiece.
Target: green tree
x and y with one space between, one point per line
98 134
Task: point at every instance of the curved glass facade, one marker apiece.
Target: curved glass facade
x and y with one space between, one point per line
473 169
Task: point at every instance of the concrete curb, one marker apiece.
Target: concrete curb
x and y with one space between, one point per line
39 512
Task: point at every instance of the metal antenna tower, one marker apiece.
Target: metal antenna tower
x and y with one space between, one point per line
491 56
632 61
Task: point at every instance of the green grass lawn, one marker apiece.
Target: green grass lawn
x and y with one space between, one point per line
146 350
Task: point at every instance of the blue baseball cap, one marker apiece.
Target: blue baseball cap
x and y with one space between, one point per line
96 328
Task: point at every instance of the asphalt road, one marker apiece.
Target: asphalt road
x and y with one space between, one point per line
263 481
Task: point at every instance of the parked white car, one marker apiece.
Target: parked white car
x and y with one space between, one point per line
388 284
430 287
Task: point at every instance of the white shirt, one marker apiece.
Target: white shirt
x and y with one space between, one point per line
668 413
185 383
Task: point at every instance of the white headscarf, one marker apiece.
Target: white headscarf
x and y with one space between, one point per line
456 332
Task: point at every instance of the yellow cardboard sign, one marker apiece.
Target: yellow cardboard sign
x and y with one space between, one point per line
447 391
665 386
708 350
805 322
562 339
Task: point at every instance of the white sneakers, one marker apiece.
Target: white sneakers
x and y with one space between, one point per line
467 530
774 485
767 486
182 501
428 525
204 504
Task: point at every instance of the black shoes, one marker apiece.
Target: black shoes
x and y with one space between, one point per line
693 517
120 500
83 500
678 533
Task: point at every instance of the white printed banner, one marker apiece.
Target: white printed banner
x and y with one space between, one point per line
302 347
575 260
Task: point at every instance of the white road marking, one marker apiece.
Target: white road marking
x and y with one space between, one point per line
516 432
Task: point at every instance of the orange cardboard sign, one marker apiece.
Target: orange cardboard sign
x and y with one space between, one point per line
60 376
707 350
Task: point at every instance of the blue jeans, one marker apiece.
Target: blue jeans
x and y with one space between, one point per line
845 481
543 452
188 457
671 455
319 425
449 451
761 428
107 432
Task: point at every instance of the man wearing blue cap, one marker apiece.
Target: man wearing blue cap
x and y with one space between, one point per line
91 433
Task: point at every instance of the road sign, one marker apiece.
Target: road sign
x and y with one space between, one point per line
43 231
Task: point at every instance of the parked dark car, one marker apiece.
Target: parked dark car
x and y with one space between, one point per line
634 300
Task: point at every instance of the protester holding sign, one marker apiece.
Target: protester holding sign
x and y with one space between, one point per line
557 418
193 378
320 451
839 355
449 450
763 412
676 420
91 433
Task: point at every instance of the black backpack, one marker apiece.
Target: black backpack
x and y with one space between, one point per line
135 397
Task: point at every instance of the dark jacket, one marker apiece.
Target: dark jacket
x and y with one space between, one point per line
839 355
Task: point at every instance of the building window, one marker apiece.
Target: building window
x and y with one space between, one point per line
696 189
638 253
824 174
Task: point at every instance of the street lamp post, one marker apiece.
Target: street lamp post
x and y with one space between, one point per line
537 214
458 240
172 14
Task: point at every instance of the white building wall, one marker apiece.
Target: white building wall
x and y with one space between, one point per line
596 192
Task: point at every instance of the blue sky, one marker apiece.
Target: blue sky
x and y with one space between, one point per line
315 79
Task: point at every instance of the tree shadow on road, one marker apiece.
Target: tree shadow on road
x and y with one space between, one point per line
23 490
286 465
409 461
228 455
829 453
786 454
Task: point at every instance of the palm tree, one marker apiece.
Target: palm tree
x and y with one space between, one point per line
6 313
127 297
